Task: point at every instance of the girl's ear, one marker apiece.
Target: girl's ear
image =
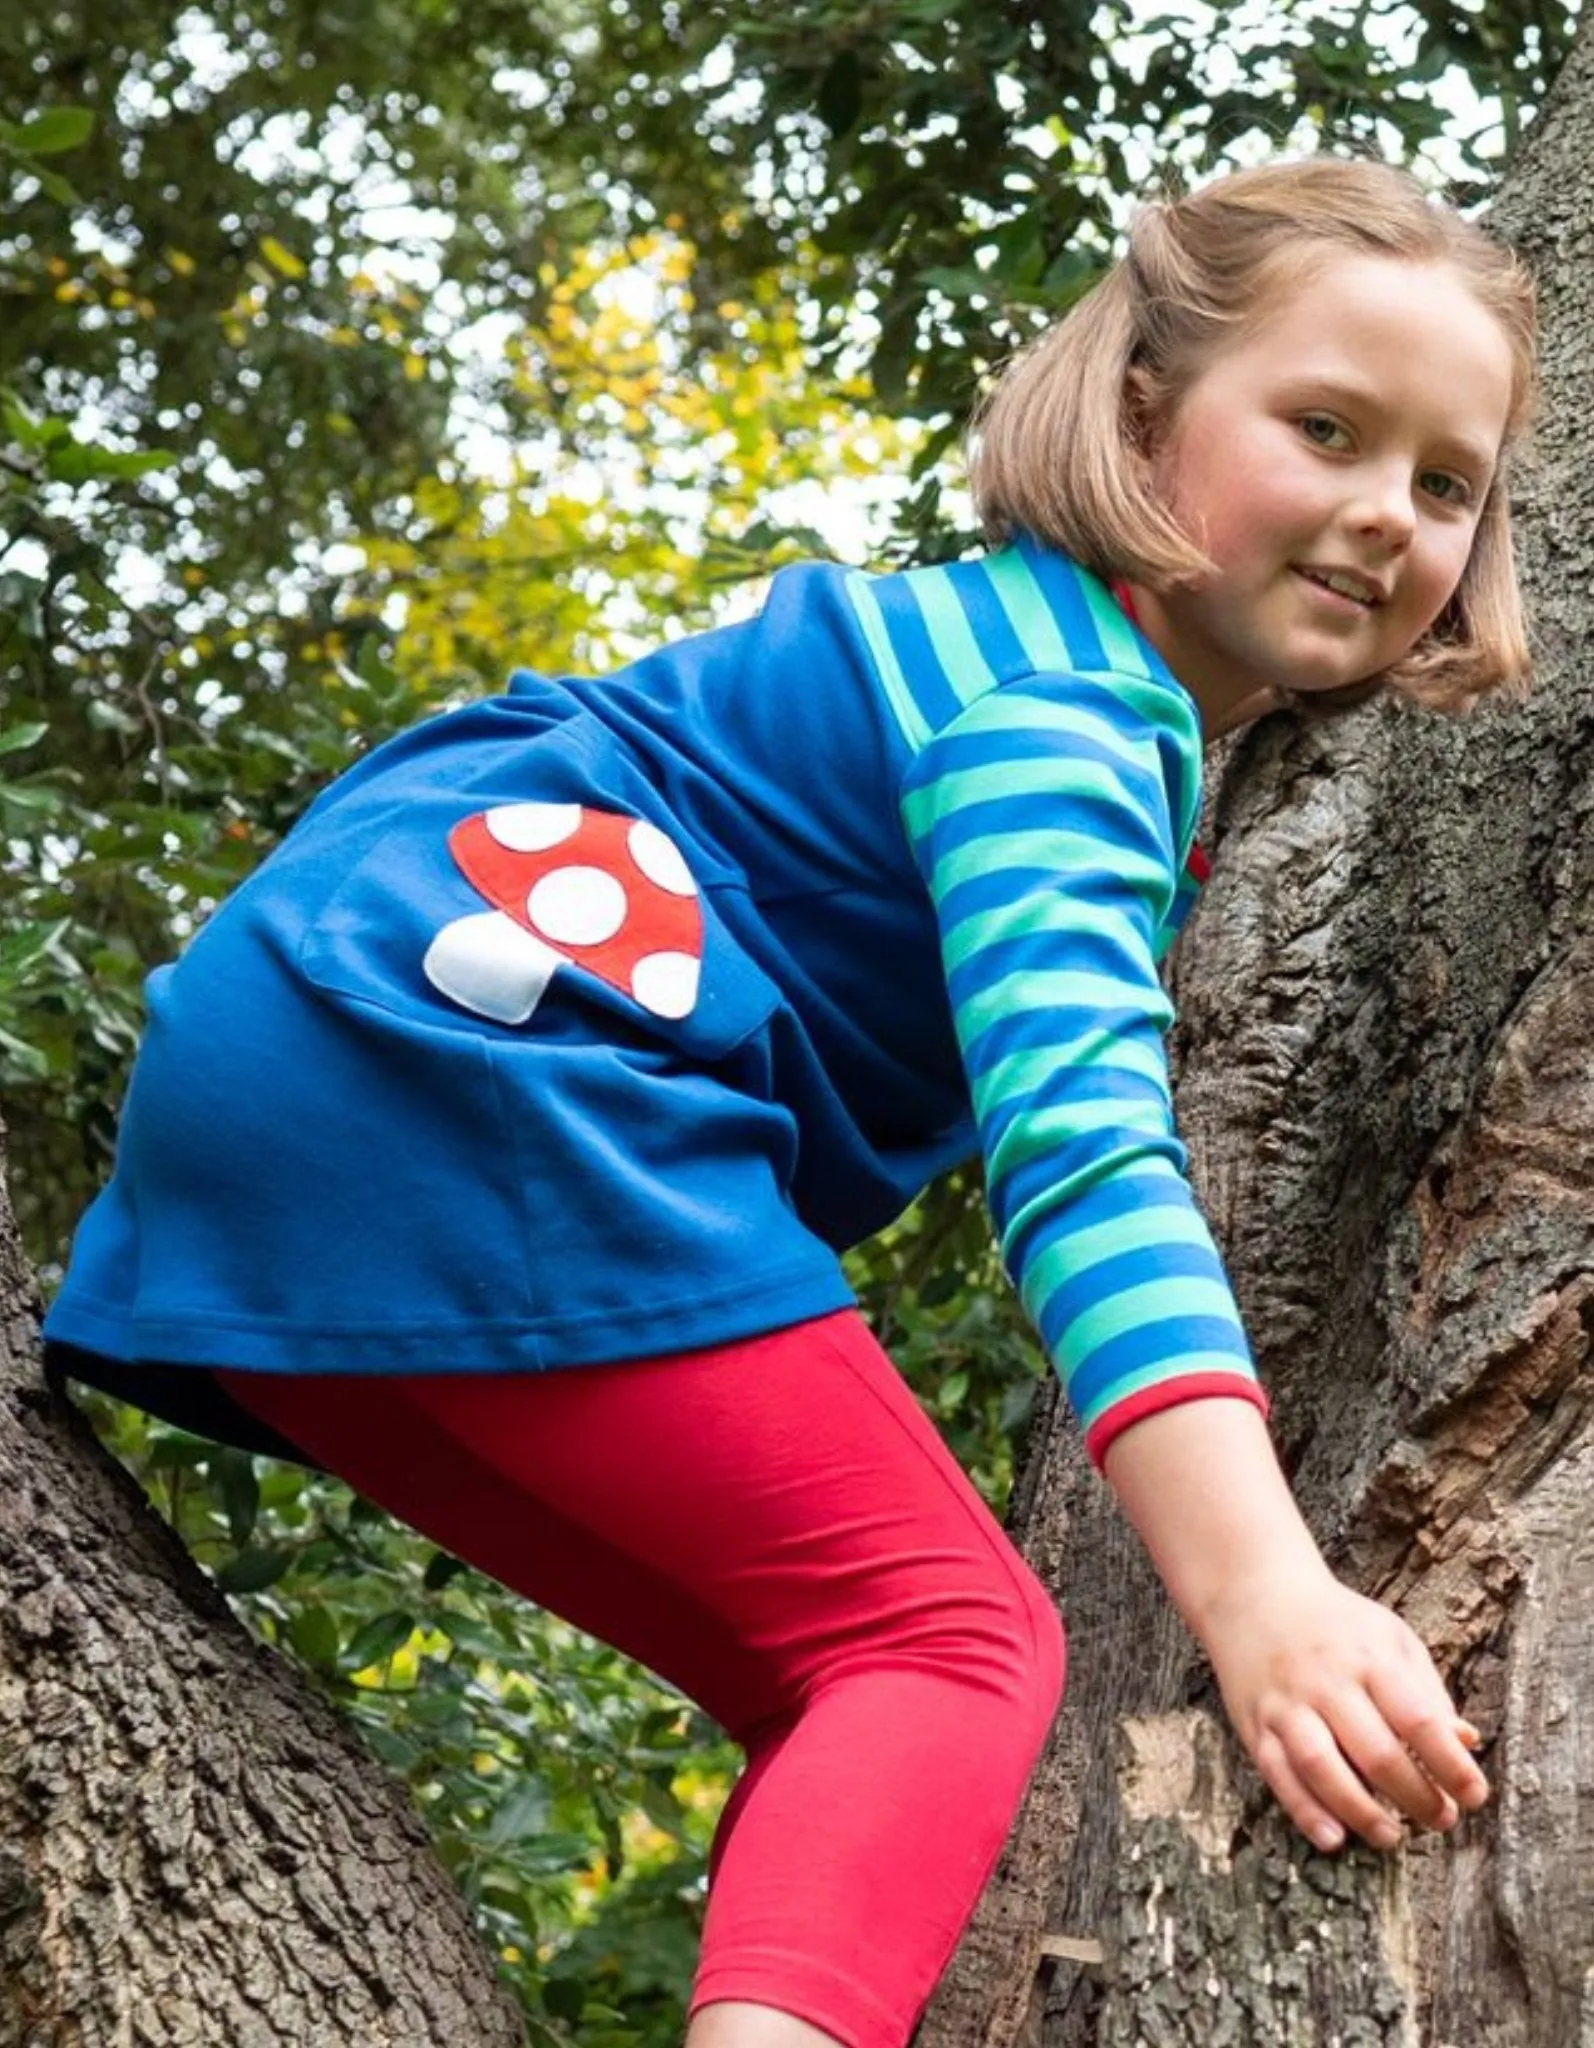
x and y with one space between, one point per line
1143 411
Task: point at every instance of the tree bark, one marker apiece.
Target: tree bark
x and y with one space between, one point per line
1386 1056
194 1851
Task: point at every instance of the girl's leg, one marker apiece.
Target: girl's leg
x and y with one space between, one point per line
776 1528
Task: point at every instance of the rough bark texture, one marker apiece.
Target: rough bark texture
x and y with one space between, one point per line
1221 1934
194 1853
1387 1054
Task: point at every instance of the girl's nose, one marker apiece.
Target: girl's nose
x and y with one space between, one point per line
1384 506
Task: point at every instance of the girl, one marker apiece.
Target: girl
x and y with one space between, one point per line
493 1145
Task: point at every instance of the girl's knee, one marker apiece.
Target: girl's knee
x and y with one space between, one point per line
1013 1645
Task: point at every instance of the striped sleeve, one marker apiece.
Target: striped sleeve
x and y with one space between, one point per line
1041 821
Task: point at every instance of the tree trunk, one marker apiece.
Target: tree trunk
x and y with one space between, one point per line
1387 1084
194 1852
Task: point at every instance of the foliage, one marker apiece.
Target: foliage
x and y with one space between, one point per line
350 355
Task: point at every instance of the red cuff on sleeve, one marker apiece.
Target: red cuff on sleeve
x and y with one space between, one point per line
1195 1386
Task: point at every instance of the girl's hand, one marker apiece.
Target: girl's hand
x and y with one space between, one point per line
1337 1701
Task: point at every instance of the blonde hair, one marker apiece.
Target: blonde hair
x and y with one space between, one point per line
1058 449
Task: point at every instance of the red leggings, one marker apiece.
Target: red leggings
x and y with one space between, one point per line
776 1529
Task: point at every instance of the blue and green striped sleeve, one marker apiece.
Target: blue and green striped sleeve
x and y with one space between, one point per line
1041 818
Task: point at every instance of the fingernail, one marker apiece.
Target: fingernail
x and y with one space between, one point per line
1328 1837
1388 1836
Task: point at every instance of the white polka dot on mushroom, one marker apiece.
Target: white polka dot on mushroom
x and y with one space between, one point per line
665 983
577 906
532 828
659 858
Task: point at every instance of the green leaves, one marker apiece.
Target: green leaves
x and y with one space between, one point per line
252 1571
381 1638
77 462
313 1637
50 133
61 458
234 1474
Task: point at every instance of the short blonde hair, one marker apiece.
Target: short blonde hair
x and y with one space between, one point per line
1058 449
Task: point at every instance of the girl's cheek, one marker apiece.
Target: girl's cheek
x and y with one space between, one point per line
1458 569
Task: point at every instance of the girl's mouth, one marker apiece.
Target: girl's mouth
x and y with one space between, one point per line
1354 591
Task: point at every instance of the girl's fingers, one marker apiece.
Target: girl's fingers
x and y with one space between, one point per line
1384 1761
1311 1763
1313 1819
1436 1736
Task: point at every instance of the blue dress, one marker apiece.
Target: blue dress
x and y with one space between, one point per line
593 1021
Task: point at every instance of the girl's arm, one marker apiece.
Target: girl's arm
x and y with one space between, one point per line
1331 1693
1047 818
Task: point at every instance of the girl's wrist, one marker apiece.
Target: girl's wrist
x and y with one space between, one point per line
1242 1594
1202 1486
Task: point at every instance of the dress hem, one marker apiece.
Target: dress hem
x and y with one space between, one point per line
463 1345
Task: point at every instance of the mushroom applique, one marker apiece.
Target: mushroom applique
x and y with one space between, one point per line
569 886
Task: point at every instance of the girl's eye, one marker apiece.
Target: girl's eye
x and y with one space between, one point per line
1450 490
1323 431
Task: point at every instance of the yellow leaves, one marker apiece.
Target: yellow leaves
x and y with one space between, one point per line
96 282
414 367
437 501
700 1790
180 261
396 1672
75 291
280 257
595 541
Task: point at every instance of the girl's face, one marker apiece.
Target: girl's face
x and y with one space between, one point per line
1332 462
